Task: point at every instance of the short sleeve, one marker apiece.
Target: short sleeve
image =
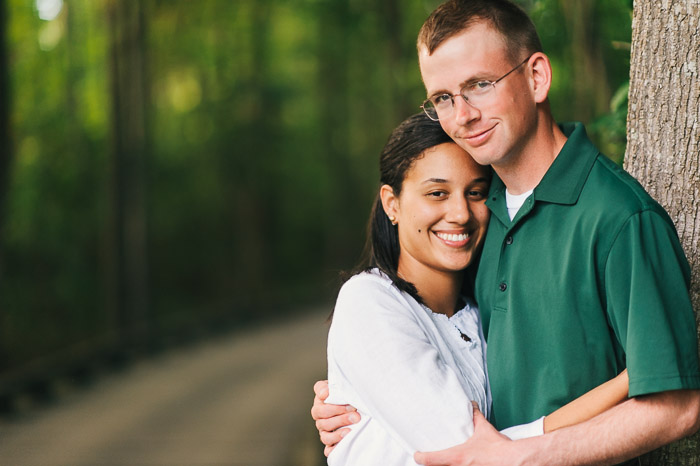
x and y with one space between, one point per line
646 280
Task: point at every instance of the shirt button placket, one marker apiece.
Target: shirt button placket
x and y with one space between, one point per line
500 297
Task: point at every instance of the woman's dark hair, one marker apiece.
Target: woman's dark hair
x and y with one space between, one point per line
407 143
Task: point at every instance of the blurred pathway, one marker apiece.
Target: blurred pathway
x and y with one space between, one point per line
238 400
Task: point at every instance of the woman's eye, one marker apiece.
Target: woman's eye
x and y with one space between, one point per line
437 194
476 194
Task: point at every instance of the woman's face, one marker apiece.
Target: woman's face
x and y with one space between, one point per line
441 212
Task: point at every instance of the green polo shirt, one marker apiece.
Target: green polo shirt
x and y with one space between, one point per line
588 278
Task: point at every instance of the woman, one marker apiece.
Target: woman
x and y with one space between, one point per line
405 346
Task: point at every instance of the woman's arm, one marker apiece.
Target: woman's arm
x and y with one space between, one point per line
381 360
590 404
583 408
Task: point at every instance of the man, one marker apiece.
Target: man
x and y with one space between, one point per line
581 274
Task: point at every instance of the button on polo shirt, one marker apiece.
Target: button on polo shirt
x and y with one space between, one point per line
588 278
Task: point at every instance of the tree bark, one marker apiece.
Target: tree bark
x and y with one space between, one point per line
663 134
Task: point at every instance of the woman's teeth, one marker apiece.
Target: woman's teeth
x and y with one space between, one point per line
449 237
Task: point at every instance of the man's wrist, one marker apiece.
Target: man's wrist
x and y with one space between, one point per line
534 451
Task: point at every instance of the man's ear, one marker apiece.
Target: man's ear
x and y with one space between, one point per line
541 76
390 202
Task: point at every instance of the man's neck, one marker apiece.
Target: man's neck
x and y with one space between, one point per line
524 171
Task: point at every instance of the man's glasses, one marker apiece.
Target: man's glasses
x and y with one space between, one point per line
475 94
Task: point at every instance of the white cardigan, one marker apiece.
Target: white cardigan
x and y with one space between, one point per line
408 372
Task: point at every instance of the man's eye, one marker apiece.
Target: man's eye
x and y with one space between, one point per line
479 87
442 100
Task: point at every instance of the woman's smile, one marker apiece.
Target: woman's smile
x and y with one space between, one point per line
440 212
454 240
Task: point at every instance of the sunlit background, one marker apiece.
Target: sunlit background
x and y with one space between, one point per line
174 168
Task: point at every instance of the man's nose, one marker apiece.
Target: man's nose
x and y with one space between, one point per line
464 111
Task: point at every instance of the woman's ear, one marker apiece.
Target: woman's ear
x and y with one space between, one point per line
541 76
390 202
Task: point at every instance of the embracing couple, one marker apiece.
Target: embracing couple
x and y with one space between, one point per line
495 224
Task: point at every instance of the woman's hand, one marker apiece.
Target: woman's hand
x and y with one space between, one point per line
330 419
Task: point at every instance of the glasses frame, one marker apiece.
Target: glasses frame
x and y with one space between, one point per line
461 92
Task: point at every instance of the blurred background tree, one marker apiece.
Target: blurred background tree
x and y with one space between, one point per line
169 165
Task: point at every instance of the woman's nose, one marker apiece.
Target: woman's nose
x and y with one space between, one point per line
458 211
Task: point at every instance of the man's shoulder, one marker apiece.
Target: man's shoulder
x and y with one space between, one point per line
610 189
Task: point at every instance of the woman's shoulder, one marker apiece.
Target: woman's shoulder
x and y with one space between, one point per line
370 289
369 280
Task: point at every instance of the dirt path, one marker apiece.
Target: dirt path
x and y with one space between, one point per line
240 400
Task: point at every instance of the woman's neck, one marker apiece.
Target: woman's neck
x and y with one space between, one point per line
440 291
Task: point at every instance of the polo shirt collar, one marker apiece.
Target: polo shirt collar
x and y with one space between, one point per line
564 180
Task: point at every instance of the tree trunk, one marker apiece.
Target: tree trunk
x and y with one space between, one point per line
335 55
663 134
128 263
590 82
5 145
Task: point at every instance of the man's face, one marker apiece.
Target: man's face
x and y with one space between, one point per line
498 130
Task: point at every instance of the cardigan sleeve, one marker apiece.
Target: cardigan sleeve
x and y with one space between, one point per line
381 361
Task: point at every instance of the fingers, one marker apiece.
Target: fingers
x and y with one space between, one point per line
321 410
478 416
321 389
336 421
435 458
330 439
331 418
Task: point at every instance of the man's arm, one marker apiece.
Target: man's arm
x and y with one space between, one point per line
331 419
628 430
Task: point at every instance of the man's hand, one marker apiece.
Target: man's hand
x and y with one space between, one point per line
331 418
486 447
625 431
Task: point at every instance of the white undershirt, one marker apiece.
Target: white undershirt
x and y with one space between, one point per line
515 201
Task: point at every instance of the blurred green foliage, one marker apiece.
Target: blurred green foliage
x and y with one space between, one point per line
264 120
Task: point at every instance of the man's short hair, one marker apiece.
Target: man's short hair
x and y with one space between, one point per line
454 16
